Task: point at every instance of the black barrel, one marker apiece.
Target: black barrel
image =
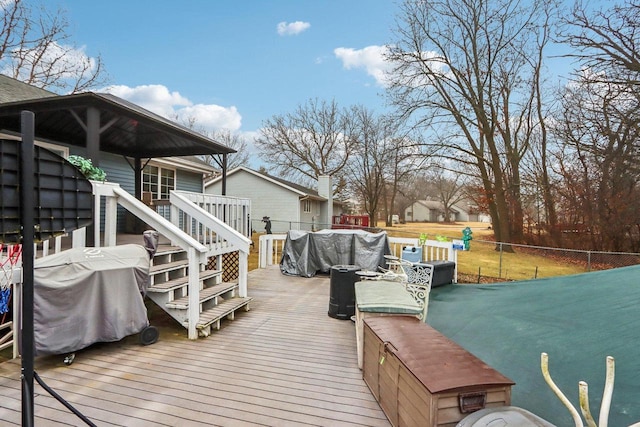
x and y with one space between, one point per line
342 298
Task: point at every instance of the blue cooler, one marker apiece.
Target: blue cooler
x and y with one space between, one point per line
412 253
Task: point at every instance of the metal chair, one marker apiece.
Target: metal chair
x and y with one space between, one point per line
416 277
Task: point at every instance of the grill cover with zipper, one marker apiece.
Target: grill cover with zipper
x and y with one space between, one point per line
89 295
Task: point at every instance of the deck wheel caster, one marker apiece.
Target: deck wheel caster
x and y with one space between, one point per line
149 335
69 358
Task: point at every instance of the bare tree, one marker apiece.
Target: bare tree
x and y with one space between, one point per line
601 160
448 189
410 190
235 141
404 159
366 165
465 71
35 48
606 41
381 159
312 141
599 126
223 136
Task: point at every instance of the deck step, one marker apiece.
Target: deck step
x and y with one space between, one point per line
168 266
205 295
225 308
166 250
170 285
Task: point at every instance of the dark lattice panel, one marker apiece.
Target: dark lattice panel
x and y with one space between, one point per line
230 265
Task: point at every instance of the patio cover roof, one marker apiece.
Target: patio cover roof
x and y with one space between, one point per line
122 127
578 320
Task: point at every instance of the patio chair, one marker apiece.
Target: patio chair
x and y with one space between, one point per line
391 293
418 280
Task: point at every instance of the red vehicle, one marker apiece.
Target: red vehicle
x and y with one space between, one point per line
350 222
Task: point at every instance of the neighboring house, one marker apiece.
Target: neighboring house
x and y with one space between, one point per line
146 154
432 211
287 204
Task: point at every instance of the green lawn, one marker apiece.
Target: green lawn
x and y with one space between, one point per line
483 259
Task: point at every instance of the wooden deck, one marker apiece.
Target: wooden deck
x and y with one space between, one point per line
283 363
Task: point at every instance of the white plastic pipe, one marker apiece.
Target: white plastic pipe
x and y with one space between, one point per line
583 389
608 392
544 365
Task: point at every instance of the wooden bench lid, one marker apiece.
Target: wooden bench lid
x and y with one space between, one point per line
437 362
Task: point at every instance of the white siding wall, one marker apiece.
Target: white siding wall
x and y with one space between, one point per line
420 213
267 199
311 221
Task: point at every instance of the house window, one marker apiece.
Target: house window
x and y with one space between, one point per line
158 182
307 206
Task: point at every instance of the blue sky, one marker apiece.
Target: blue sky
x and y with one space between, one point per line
234 64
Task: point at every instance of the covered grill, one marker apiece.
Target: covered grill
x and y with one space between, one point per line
89 295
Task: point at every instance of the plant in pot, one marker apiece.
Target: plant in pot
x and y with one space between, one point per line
90 171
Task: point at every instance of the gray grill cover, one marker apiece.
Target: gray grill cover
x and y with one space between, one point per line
304 253
84 296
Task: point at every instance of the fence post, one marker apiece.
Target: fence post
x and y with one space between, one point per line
588 261
500 264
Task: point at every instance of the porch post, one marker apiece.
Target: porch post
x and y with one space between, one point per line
224 174
93 135
137 178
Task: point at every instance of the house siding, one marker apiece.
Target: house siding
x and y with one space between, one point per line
311 221
118 170
267 199
420 213
189 181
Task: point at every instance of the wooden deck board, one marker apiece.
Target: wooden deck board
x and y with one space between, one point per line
283 363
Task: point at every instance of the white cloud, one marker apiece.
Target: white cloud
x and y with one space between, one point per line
371 58
172 105
211 116
292 28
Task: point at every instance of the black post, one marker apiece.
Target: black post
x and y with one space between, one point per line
27 222
224 174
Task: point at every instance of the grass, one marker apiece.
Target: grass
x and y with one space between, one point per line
482 263
483 260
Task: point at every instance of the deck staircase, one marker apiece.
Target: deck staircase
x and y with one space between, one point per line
182 281
169 290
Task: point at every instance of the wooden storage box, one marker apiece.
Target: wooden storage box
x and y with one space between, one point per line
421 378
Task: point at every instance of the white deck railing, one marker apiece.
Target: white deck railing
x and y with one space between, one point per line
233 211
270 249
217 236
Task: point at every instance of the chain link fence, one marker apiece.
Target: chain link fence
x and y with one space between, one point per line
488 261
278 227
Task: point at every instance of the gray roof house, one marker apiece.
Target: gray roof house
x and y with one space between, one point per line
287 204
433 211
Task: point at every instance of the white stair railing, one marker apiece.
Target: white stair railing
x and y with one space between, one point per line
210 231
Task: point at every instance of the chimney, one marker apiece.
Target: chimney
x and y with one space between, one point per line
325 189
